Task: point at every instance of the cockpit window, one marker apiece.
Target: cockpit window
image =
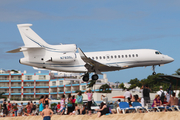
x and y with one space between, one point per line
157 52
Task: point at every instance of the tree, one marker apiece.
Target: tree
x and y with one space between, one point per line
105 88
122 86
177 72
1 95
134 83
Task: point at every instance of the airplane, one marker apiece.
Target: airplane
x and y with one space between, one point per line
64 57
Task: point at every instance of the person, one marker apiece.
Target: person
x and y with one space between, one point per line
31 104
73 101
5 111
157 101
117 106
104 98
41 101
173 100
34 107
69 104
165 101
85 109
89 95
13 114
58 106
62 102
127 95
103 110
47 113
75 112
20 109
161 93
130 102
28 107
142 99
168 95
46 100
9 107
79 101
146 96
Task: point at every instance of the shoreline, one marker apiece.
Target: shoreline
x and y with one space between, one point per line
129 116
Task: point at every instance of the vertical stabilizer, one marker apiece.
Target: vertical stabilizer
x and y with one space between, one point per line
30 38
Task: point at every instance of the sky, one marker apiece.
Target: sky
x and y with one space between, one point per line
95 25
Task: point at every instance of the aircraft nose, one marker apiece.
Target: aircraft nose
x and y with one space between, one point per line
169 59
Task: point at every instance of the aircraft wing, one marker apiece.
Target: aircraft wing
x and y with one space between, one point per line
95 66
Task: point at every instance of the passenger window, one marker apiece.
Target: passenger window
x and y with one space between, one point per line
122 56
126 56
136 55
100 57
96 57
93 58
111 56
104 57
133 55
118 56
129 55
107 57
115 56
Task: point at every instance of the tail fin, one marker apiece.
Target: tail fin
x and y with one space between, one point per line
30 38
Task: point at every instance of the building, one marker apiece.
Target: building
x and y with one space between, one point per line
26 86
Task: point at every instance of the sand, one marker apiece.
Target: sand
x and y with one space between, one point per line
130 116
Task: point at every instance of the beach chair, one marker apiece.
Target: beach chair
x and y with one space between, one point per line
124 106
137 106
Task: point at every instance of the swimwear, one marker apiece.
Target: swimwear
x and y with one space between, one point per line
62 104
41 107
47 118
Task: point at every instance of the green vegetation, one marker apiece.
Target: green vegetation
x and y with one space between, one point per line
104 88
91 83
122 86
1 96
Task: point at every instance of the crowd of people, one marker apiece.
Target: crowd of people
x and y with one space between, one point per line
162 99
74 105
14 109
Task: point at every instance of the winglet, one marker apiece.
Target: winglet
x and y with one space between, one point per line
82 53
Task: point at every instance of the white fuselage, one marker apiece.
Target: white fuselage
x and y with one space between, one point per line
122 59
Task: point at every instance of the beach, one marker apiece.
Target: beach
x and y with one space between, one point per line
131 116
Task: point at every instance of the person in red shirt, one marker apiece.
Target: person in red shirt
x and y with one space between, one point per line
9 108
58 106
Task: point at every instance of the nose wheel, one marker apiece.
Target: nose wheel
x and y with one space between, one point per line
153 68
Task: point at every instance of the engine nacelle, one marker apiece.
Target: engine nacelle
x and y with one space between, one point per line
64 58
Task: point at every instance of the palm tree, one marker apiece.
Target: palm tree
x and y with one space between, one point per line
177 72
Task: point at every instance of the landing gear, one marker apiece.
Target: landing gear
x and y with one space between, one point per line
95 77
154 73
153 68
86 77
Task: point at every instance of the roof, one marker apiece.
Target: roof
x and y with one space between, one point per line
173 79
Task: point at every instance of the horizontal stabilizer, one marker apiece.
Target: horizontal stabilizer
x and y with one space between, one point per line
14 51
